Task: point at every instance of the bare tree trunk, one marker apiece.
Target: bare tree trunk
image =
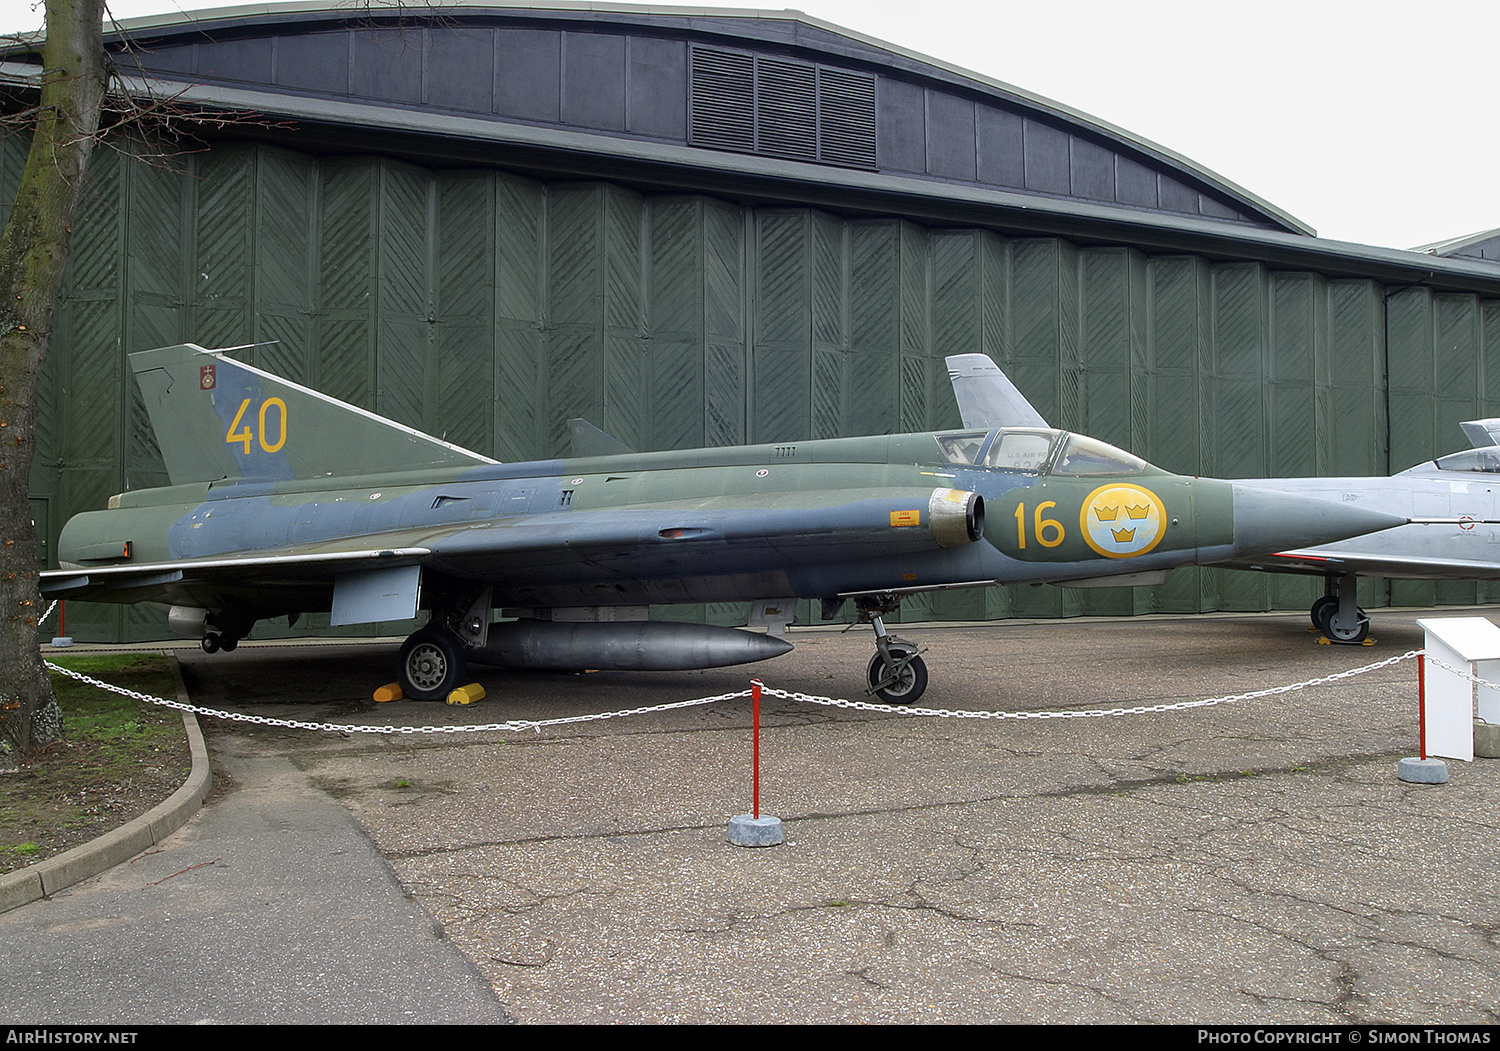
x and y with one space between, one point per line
33 254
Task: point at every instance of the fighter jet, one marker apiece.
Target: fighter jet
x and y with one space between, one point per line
1454 502
1450 504
284 501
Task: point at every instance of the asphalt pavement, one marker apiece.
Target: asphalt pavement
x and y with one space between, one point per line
1246 862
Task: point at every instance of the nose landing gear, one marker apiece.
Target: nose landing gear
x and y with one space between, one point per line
897 674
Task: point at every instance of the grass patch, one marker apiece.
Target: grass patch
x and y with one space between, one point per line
120 758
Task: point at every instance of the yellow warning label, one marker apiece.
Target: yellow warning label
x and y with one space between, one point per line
906 518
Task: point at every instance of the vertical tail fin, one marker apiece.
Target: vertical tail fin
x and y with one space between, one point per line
216 419
986 397
589 440
1482 433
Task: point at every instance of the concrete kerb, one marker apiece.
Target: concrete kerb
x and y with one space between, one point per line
74 866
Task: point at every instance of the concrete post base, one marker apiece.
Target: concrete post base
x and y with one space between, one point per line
763 831
1423 771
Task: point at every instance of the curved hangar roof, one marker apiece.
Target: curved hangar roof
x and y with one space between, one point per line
748 105
698 98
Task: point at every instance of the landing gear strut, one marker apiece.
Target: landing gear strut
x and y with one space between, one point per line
1337 614
433 661
897 674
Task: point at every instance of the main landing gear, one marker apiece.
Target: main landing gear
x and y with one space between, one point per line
897 674
1337 614
433 661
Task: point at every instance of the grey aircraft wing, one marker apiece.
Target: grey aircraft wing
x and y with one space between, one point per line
625 549
1397 565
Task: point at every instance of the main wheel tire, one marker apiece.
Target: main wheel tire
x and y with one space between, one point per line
432 664
910 682
1349 635
210 643
227 643
1322 612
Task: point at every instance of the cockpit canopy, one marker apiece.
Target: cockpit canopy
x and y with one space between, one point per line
1043 451
1486 459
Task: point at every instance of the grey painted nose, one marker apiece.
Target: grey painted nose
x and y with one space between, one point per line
1266 522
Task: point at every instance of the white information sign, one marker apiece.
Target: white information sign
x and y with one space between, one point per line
1473 645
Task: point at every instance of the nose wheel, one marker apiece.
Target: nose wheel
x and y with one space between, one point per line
897 674
899 677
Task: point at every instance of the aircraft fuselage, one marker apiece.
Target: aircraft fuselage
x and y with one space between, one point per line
812 519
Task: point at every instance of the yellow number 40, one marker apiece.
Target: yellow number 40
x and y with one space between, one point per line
245 436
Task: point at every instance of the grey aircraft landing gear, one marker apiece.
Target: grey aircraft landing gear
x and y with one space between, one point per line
216 637
216 630
1337 614
432 664
897 674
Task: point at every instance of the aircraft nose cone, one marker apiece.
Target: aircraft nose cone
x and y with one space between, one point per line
1266 521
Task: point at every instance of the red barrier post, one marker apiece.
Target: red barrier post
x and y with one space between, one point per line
1422 704
755 686
752 830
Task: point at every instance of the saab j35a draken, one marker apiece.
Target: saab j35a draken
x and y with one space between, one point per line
284 501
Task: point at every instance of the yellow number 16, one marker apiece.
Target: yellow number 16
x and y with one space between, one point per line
1048 532
244 434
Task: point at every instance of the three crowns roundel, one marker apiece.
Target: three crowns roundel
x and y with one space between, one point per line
1121 520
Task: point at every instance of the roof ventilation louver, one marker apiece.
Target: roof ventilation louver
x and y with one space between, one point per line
723 100
780 108
786 113
846 118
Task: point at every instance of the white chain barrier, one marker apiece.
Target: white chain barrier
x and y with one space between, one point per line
297 724
516 725
1095 713
1462 673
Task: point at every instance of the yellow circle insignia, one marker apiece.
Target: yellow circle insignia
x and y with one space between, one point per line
1120 520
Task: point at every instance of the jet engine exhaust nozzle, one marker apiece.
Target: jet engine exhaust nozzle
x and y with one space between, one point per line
955 516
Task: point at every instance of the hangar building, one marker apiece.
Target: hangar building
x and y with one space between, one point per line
699 227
